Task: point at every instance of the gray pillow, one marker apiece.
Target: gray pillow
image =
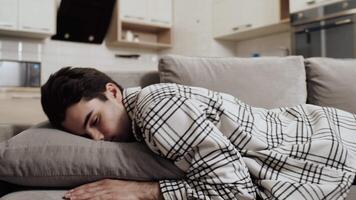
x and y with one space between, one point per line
331 82
36 195
268 82
42 156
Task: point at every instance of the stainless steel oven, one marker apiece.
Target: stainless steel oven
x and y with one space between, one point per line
327 31
20 74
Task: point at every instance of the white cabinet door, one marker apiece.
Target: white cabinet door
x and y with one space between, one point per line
37 16
160 11
252 13
134 10
227 17
8 14
231 16
265 12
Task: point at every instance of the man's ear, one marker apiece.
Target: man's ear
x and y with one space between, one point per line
113 90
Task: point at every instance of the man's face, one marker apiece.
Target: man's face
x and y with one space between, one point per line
100 120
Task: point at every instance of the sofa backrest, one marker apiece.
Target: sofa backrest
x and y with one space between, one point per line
268 82
133 79
331 82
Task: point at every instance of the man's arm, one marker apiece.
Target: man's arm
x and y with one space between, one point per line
176 128
116 189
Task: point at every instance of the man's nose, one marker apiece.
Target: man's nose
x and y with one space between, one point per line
96 135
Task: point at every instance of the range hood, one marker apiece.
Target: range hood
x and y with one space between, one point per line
84 20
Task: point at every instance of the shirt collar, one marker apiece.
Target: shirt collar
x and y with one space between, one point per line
129 100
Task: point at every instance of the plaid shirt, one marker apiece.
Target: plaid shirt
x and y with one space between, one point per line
230 150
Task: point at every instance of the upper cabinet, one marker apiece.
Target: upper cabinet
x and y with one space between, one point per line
32 18
300 5
141 23
160 12
134 10
226 21
147 11
8 14
235 19
37 16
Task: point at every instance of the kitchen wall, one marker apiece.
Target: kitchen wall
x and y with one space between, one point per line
192 36
55 54
271 45
192 31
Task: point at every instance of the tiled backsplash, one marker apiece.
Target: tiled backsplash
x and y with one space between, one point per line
20 50
56 54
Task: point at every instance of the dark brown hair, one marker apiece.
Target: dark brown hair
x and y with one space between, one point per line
67 87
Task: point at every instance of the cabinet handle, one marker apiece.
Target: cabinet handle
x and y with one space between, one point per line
311 2
28 27
134 17
235 28
341 22
33 28
241 26
7 25
159 21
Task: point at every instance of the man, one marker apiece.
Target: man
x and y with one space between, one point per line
228 150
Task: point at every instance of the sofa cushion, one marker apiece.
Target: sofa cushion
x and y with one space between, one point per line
331 82
264 82
42 156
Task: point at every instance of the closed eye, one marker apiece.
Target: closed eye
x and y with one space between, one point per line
95 121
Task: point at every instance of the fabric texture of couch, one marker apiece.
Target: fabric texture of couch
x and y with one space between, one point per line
262 82
331 82
43 156
265 82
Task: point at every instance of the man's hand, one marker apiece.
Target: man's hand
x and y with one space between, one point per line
116 190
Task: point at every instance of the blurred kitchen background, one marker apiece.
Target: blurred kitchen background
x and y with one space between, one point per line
38 37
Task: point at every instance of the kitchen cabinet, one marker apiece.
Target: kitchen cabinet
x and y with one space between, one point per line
8 14
226 21
147 11
37 16
160 12
141 24
300 5
232 17
133 10
30 18
258 14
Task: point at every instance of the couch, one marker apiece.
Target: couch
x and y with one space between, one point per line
267 82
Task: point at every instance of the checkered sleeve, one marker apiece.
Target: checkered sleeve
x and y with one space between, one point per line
178 129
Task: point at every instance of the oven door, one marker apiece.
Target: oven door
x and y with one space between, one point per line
340 37
330 38
307 40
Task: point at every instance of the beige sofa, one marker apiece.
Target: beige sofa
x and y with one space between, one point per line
262 82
